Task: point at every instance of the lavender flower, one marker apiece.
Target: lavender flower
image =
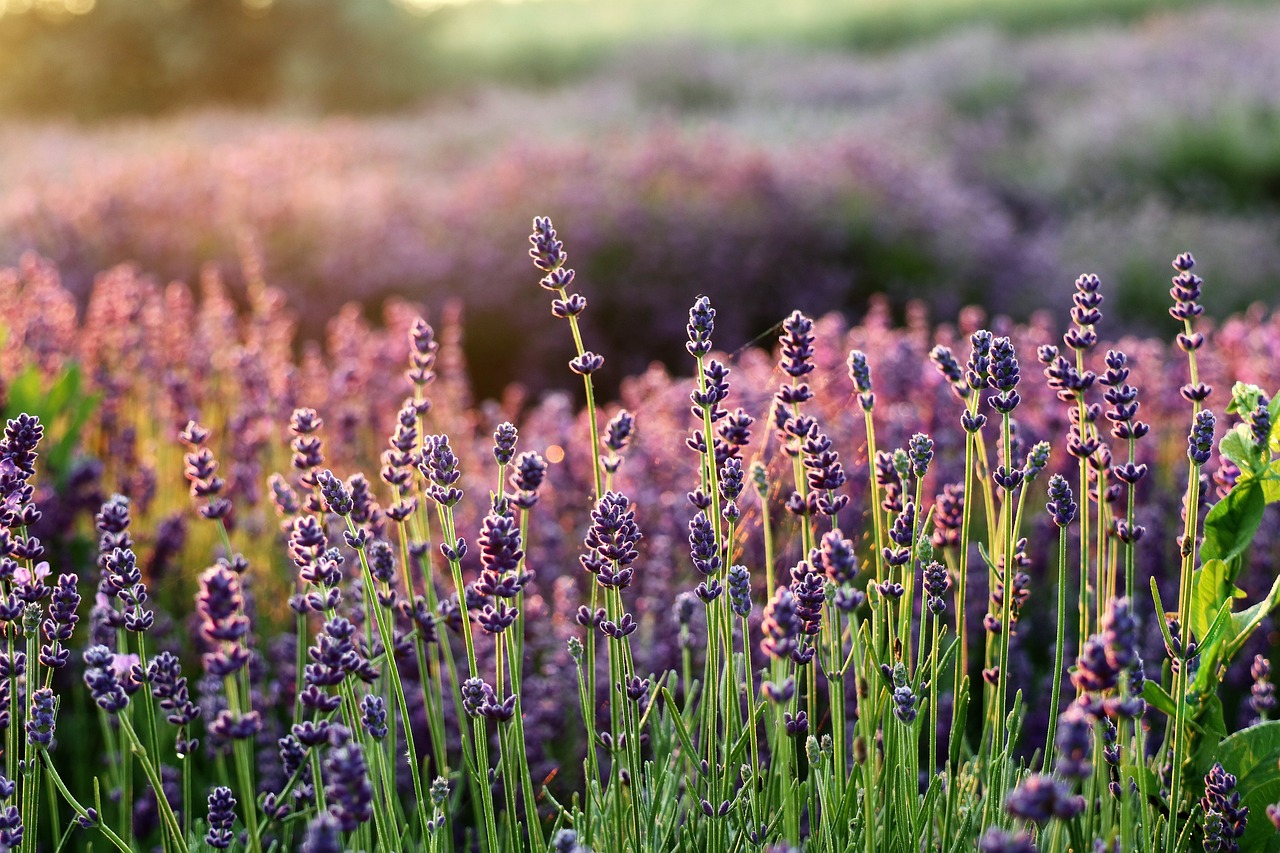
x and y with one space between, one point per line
1040 798
702 321
323 835
1061 506
1004 376
504 442
1224 817
1200 441
222 622
222 816
996 840
1075 743
860 373
1260 422
837 558
40 725
1262 698
739 583
530 471
781 626
103 680
347 788
169 687
611 541
373 716
703 547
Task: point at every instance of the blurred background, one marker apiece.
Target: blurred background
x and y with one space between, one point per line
808 153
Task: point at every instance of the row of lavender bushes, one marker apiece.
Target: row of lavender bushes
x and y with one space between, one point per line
802 573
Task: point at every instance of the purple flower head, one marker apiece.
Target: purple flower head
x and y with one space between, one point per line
1004 376
740 590
347 787
222 816
996 840
904 704
837 558
1040 798
500 556
703 546
1262 694
946 363
422 353
382 561
373 716
1186 289
440 466
547 252
823 471
504 442
18 447
1259 421
797 345
1224 817
978 369
1061 506
219 605
102 680
809 590
1120 634
566 841
619 431
324 835
1200 441
169 687
781 626
702 321
337 497
1074 741
40 724
860 373
920 450
530 471
936 583
1037 460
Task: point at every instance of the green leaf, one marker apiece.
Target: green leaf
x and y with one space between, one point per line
1247 621
1237 445
1211 729
1211 649
1251 756
1232 522
1244 398
1209 589
1158 697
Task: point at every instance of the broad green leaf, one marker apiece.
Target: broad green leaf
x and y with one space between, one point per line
1244 398
1232 522
1246 621
1211 649
25 394
1209 589
1212 728
1274 409
1158 697
1251 756
1237 445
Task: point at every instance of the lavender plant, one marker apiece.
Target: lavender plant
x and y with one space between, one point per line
785 659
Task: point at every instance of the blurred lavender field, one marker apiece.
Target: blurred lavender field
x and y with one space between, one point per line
969 167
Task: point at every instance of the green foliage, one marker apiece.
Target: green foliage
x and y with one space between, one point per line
1231 160
1251 755
149 56
63 407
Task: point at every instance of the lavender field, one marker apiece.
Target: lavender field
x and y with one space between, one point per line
846 469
